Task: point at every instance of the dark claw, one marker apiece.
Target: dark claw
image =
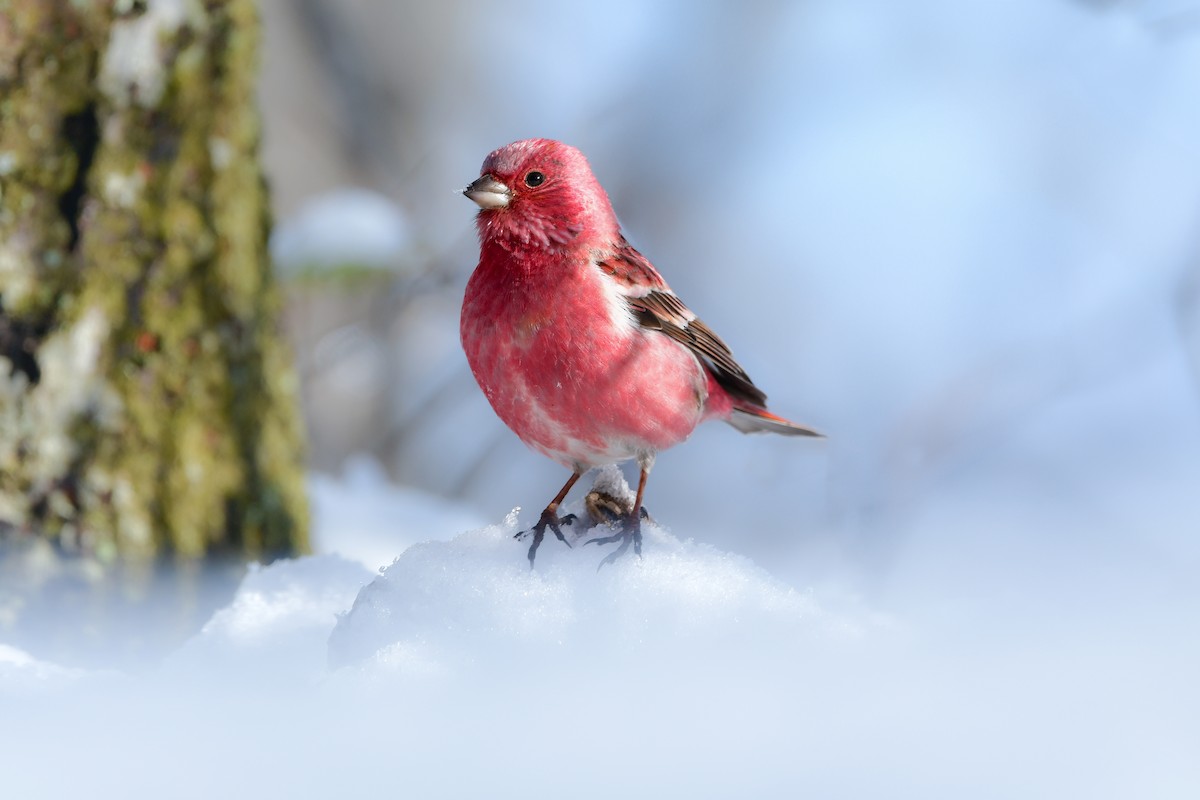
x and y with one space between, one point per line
548 520
631 531
616 537
615 554
537 541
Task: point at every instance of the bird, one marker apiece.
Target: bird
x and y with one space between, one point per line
579 345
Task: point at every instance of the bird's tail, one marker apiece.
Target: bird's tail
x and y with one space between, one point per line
749 419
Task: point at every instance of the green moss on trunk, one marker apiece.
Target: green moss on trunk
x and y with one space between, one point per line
146 396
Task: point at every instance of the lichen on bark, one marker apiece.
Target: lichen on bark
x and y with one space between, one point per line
147 401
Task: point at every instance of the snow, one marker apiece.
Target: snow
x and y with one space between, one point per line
21 671
990 663
450 600
355 227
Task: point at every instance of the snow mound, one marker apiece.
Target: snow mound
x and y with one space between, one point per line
20 672
277 622
441 602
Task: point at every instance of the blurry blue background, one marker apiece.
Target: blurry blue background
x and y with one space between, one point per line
961 239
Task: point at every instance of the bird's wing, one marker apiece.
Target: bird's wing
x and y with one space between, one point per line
657 308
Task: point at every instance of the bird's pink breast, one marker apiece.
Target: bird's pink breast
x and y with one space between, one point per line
571 373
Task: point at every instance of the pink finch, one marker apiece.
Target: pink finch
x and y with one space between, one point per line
577 341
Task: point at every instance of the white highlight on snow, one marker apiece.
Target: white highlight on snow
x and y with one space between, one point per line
356 227
20 670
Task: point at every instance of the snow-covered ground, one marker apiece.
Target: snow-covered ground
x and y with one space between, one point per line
992 662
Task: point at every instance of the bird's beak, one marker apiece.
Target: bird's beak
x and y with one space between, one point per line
487 192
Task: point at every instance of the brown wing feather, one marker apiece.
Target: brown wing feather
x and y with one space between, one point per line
657 308
665 312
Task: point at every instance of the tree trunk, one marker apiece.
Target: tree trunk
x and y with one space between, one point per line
146 396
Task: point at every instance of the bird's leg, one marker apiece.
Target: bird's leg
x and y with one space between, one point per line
631 527
551 520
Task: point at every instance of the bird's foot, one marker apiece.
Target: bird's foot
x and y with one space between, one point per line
549 519
629 533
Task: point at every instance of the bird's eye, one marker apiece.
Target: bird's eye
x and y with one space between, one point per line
534 178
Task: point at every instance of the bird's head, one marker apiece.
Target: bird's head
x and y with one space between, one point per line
540 193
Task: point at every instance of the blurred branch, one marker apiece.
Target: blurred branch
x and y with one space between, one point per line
1170 23
362 90
1187 311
